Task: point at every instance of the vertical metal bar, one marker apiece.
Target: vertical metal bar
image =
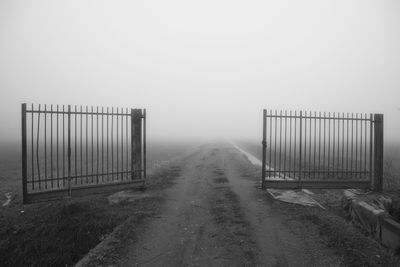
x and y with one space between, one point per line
338 143
97 144
371 127
37 148
356 146
75 148
264 147
92 142
127 142
32 149
117 144
275 126
58 150
319 143
359 164
69 149
87 144
80 142
102 143
315 144
284 157
347 145
280 142
51 145
342 166
329 143
305 146
365 143
63 137
333 142
107 119
295 144
290 142
144 144
324 156
24 154
362 136
309 147
122 143
45 145
270 143
300 144
352 145
133 175
112 143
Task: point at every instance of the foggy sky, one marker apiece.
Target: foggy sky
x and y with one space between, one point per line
201 68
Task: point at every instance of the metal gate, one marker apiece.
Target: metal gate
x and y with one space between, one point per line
70 151
322 150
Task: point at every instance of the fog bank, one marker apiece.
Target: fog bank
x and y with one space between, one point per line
202 69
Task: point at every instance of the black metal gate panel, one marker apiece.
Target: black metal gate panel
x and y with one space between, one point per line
322 150
70 151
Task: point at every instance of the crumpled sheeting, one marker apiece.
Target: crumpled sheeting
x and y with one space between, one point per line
126 196
8 199
301 197
366 208
290 196
295 197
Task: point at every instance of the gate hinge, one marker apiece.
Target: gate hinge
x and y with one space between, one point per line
264 143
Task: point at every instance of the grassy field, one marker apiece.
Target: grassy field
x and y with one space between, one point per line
59 233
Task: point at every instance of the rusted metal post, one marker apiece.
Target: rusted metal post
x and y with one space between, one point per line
136 144
378 152
264 151
371 134
24 154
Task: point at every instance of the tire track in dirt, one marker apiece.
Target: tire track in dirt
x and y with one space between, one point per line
202 223
215 216
235 234
280 245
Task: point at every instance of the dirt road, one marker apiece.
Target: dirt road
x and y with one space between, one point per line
216 216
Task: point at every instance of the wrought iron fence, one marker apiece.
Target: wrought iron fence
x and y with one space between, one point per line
322 150
73 150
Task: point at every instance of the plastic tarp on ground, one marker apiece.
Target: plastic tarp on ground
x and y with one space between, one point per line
294 196
301 197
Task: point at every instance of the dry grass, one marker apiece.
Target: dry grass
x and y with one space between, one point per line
356 248
391 168
59 233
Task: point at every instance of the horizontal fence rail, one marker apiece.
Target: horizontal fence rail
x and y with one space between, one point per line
321 150
70 148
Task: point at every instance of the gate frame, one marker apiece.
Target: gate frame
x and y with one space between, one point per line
375 184
138 161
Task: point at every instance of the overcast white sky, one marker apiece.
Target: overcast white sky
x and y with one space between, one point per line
201 68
